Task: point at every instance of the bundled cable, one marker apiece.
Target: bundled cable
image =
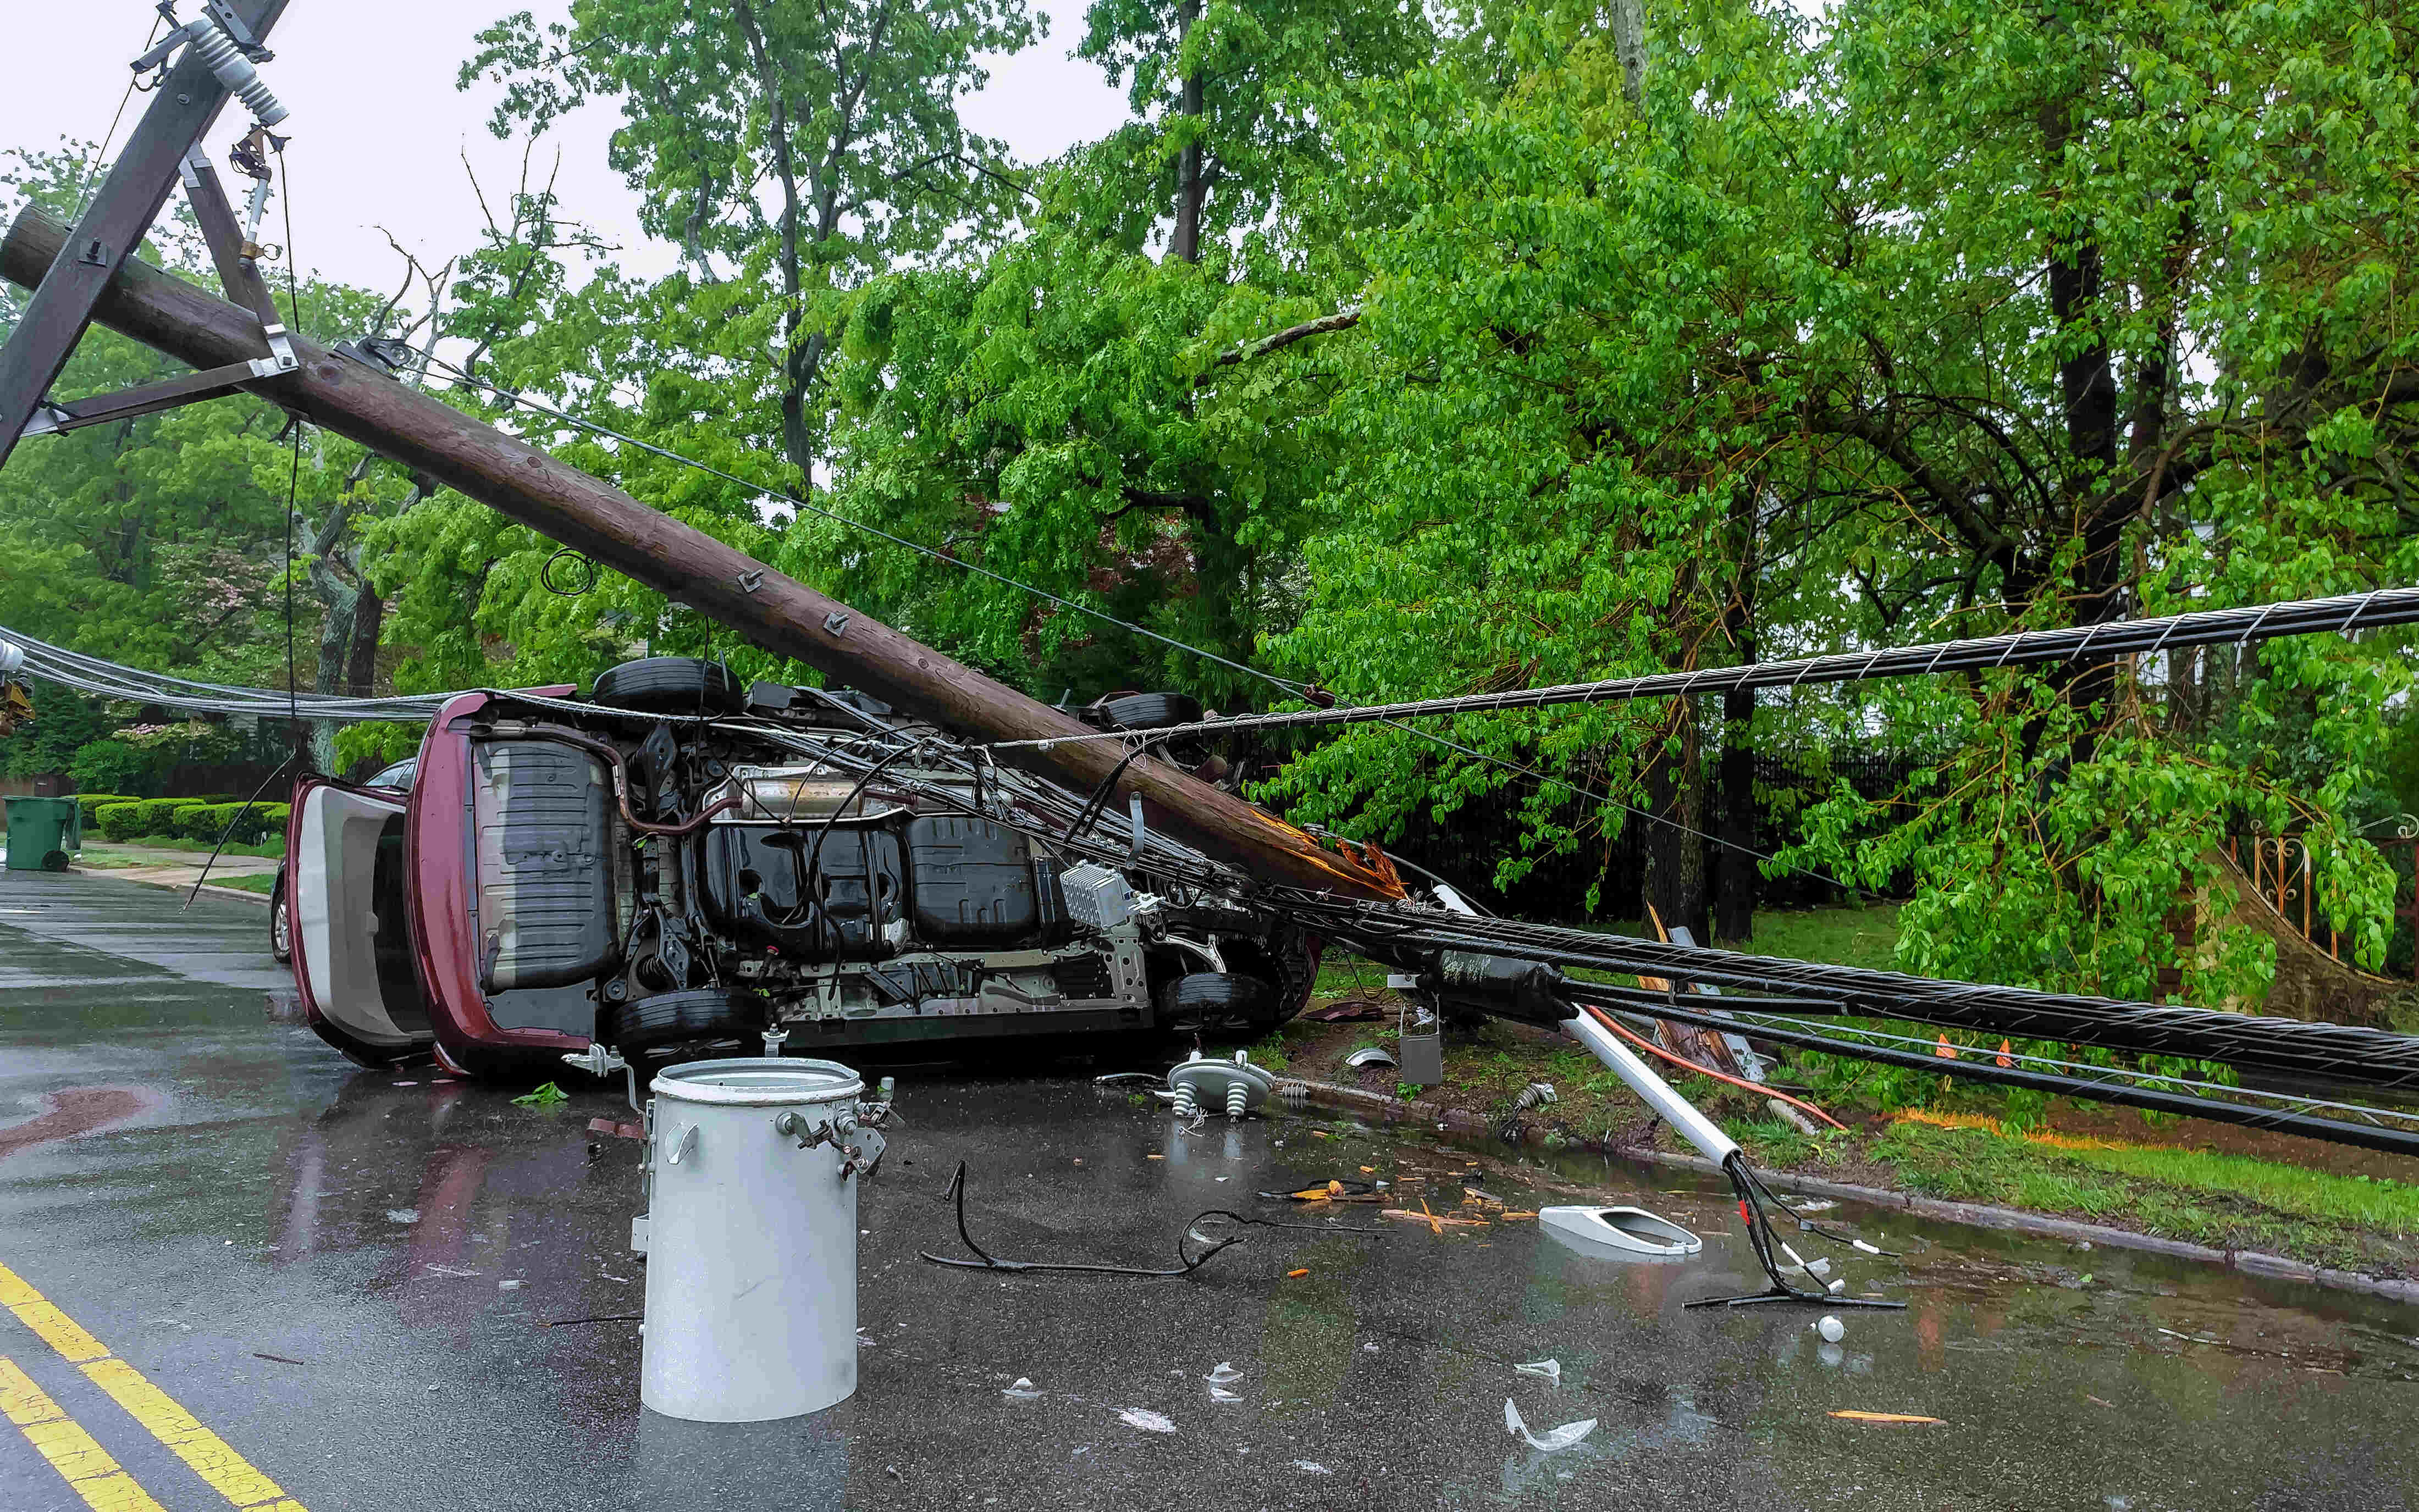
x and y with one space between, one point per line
2327 1052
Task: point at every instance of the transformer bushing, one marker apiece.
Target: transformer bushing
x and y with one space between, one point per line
1205 1080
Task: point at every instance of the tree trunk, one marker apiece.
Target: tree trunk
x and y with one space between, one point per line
1629 46
797 435
369 618
1190 191
2087 380
1735 870
336 643
1735 902
1674 881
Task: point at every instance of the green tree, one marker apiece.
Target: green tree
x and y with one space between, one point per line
2114 330
1224 95
164 540
844 115
1071 414
1556 464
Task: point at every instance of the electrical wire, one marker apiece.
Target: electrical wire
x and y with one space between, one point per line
1608 801
293 699
1684 1062
2357 1056
228 834
1749 1022
2400 1141
512 396
2339 615
294 322
84 190
1752 1195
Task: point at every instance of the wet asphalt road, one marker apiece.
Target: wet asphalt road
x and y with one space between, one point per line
314 1262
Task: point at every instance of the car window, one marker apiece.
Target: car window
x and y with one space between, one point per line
397 776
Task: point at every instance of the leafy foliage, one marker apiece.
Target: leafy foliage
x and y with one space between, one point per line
1499 351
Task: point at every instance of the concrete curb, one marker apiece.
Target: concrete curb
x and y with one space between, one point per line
208 890
1974 1215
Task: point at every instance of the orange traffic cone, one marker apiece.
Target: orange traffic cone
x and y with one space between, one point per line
1945 1051
2004 1059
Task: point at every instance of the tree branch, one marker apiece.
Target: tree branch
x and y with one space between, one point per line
1341 320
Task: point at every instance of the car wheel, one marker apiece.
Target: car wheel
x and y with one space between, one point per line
1217 1003
281 929
671 685
1150 710
669 1020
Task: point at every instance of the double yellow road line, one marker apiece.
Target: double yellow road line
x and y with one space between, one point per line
104 1484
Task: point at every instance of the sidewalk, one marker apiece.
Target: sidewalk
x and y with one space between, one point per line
175 868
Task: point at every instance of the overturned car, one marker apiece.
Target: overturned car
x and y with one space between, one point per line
682 866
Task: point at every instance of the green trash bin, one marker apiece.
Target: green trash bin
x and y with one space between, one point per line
42 834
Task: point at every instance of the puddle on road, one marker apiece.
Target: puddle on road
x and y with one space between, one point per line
2153 1385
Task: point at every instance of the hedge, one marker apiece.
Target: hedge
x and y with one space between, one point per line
88 804
208 821
122 821
183 817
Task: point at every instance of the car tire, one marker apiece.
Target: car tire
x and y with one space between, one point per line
648 1026
281 928
1218 1003
1150 710
671 685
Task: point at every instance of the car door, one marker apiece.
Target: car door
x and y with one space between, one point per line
353 955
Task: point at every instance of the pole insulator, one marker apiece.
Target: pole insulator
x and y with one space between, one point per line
234 70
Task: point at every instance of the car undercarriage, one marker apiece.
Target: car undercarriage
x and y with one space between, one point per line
678 867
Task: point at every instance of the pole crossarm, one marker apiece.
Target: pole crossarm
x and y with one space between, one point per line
111 228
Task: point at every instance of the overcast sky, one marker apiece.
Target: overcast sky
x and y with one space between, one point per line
379 130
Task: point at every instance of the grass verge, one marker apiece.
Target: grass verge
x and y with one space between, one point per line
273 848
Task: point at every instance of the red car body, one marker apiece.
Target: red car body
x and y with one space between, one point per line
674 880
437 849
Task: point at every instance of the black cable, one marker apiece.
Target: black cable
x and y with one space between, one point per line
1979 1068
294 477
233 819
2338 615
84 190
1574 789
1098 803
1807 1224
1185 1264
821 916
2359 1056
1284 684
293 699
1763 1240
1415 866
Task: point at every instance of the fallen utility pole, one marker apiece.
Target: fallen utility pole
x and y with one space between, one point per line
778 613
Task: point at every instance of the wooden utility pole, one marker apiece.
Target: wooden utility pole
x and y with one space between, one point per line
778 613
114 224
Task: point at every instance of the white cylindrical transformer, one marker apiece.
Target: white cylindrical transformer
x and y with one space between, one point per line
752 1241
